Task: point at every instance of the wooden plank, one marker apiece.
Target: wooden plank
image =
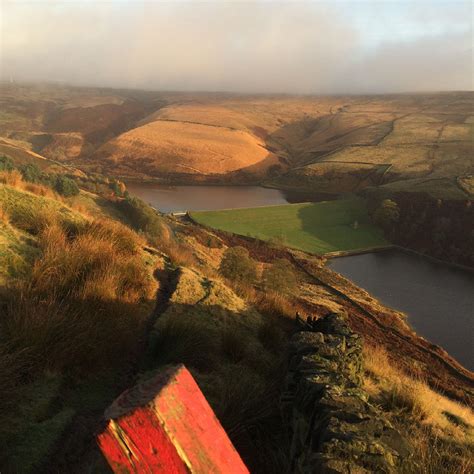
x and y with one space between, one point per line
165 425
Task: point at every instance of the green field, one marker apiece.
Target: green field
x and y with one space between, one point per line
313 227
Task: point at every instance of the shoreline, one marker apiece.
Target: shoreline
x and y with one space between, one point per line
351 253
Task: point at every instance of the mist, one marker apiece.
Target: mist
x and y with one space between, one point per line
258 46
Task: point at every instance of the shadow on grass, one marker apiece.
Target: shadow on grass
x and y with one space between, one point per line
339 225
239 364
60 367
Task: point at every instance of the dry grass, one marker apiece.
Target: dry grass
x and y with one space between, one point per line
4 216
11 178
81 306
269 302
236 359
187 148
441 430
178 253
33 219
15 180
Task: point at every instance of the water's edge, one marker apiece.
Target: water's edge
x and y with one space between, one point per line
438 298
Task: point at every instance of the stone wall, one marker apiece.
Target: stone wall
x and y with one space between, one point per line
332 426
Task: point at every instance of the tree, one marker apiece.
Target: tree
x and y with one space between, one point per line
387 214
66 186
6 163
237 265
279 277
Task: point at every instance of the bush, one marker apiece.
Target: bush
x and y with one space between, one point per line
279 277
237 265
66 186
141 216
6 163
31 173
118 188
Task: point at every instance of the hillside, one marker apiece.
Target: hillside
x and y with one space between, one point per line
98 290
411 142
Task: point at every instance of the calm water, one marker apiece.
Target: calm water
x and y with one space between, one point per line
438 299
200 198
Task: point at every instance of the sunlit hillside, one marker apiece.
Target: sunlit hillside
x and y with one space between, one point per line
330 144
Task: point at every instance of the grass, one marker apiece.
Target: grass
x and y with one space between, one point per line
440 430
313 227
75 292
237 359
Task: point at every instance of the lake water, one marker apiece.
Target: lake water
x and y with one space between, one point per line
438 298
205 198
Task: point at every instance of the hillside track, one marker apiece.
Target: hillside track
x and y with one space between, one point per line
76 451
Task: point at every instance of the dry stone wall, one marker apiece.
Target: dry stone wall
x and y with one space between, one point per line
333 428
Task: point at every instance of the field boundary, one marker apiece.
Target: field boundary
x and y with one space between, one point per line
464 373
349 253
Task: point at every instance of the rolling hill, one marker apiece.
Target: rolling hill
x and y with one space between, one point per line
326 144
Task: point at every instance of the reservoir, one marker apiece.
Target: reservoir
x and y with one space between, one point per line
205 198
437 298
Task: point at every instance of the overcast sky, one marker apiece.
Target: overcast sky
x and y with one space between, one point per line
245 46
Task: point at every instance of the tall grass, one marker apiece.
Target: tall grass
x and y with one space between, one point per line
441 430
81 306
239 374
11 178
15 179
4 216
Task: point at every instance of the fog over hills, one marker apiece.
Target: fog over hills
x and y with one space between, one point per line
243 46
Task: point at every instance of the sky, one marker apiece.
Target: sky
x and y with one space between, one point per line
260 46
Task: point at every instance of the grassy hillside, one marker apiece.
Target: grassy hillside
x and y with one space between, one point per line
184 148
313 227
82 320
332 144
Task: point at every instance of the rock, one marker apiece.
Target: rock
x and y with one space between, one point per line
333 427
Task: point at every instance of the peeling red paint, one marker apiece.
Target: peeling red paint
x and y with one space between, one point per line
165 425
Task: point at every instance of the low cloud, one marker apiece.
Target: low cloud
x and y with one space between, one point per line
243 46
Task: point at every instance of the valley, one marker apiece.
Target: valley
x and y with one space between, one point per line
236 237
399 143
101 285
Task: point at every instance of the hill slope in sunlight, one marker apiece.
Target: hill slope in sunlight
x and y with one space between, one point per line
320 144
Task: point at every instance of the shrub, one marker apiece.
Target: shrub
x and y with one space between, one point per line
141 216
279 277
6 163
66 186
31 173
237 265
118 187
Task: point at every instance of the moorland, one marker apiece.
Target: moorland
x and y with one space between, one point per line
98 290
404 142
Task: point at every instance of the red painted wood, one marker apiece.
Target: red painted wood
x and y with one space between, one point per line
148 447
165 425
